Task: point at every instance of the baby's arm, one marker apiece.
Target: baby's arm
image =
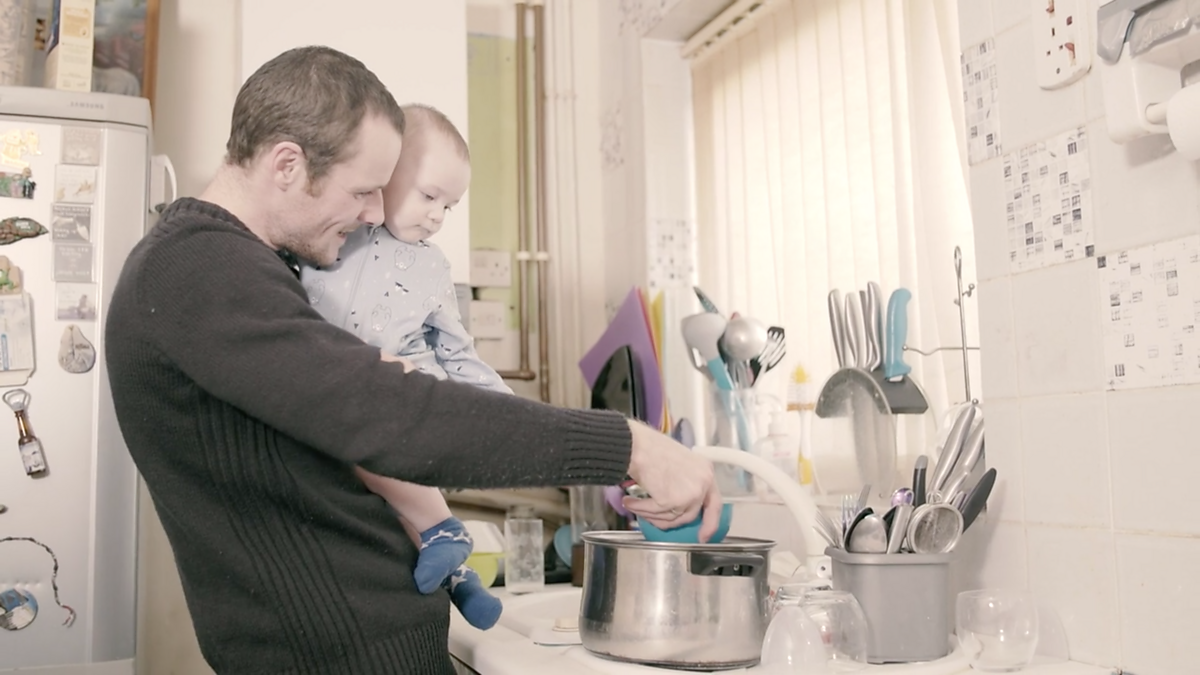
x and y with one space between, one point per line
455 348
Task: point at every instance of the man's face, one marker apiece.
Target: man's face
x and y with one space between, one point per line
317 217
430 179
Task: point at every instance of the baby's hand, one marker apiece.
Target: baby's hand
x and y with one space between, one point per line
408 365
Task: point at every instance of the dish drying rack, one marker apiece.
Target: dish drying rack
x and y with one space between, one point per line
962 326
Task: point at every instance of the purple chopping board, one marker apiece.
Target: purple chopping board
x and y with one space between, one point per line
630 329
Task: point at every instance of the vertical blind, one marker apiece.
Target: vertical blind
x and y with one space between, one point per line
828 155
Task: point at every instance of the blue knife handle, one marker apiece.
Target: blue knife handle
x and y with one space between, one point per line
897 333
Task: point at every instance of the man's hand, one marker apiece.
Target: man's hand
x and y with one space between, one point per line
679 481
408 365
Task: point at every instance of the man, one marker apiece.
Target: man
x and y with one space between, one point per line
245 411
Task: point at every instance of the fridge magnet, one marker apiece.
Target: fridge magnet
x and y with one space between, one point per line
75 302
70 618
16 145
18 608
10 277
16 340
73 262
31 448
71 222
16 229
81 145
75 184
17 185
75 354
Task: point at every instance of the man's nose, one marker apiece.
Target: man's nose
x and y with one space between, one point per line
372 212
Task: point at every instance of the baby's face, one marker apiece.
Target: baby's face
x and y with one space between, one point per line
430 180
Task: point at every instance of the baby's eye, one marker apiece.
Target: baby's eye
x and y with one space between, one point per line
428 198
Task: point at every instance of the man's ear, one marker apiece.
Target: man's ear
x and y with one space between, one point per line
288 165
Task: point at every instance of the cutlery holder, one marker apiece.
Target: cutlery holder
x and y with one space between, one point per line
906 599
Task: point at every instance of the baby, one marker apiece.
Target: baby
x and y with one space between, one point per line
392 288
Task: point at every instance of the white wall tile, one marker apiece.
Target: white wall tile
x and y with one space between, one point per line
988 217
1007 14
1152 439
1057 329
1003 452
1166 204
997 348
1074 572
975 26
1028 112
991 555
1065 461
1160 603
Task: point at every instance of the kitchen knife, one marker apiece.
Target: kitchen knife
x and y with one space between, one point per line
856 337
876 319
838 327
895 335
919 480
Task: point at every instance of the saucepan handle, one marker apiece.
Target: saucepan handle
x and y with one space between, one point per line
713 564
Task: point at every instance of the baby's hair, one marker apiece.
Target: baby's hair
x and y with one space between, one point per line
422 118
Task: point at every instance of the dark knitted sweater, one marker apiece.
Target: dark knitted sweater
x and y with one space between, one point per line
244 411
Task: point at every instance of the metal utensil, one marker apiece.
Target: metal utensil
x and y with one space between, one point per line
898 532
902 496
875 294
869 535
919 480
705 301
934 528
977 498
856 335
971 454
837 326
951 450
858 517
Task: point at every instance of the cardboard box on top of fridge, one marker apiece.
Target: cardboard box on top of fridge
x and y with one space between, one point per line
70 46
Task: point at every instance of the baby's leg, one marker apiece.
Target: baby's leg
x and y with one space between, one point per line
444 544
442 538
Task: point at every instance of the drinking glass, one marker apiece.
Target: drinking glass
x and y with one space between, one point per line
997 629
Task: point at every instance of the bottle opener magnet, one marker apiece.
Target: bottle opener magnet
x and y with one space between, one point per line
29 445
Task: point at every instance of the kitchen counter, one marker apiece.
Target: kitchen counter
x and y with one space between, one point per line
509 649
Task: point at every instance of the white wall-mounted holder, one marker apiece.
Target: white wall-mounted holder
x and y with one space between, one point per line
1144 46
1062 42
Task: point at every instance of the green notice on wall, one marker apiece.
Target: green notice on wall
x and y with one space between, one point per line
492 133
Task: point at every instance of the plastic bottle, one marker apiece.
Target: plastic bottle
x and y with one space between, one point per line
778 447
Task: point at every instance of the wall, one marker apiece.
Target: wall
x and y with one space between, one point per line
1091 511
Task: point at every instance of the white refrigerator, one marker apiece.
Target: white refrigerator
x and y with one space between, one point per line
75 174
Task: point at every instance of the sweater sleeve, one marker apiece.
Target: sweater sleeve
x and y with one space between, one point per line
234 320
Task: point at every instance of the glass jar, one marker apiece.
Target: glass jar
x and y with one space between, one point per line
524 556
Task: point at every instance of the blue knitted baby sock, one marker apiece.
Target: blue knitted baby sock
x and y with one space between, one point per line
480 608
444 547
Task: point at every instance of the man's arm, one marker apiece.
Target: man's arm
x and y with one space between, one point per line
232 318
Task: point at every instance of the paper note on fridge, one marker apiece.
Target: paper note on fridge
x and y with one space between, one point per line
16 340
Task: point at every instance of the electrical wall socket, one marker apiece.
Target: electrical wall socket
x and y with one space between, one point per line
488 319
491 269
1062 41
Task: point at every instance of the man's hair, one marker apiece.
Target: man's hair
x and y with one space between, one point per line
423 118
315 97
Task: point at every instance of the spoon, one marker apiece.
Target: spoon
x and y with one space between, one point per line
744 338
869 535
